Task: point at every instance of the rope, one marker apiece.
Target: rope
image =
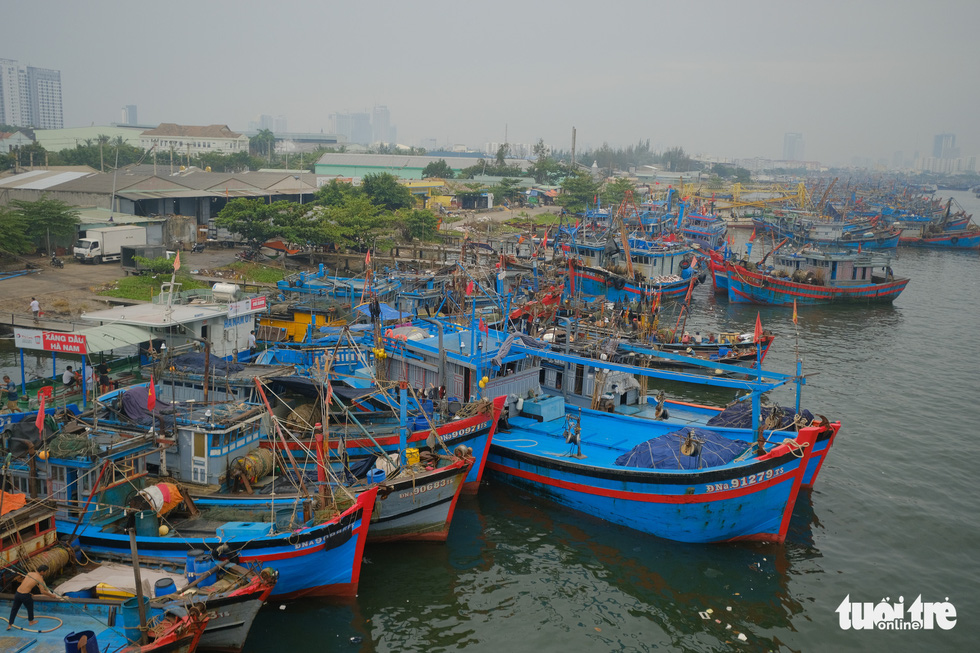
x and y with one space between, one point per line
29 630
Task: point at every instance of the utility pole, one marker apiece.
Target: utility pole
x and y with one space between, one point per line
573 148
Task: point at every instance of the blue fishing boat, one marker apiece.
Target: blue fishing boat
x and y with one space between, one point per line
688 485
813 277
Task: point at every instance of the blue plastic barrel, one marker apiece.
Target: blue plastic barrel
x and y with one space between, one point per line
376 475
190 568
147 524
130 613
72 640
203 564
163 587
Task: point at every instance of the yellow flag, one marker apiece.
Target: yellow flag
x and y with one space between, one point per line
794 312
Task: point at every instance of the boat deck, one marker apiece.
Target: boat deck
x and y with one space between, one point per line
59 620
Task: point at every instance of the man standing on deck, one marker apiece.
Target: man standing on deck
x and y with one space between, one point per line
251 343
24 596
35 308
11 389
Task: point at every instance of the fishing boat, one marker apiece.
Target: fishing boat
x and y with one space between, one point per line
807 229
688 485
812 277
96 472
28 541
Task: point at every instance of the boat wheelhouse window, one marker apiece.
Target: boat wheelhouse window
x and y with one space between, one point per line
199 448
541 376
854 273
215 440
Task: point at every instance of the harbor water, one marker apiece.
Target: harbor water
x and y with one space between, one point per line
893 514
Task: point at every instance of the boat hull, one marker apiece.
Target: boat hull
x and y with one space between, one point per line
751 501
748 287
321 560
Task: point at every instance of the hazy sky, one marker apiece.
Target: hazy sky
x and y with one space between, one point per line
857 78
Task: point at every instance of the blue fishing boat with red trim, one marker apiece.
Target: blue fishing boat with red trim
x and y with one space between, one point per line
688 485
813 277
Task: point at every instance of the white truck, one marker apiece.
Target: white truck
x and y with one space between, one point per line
105 243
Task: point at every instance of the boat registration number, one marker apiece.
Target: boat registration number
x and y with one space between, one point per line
428 487
744 481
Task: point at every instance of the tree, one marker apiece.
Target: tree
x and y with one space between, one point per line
675 160
418 223
578 191
439 169
250 218
507 189
547 171
102 139
615 190
14 231
334 193
384 191
47 217
263 142
502 152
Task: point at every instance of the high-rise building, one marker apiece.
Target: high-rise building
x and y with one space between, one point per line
793 146
380 125
29 96
129 115
279 125
944 147
355 126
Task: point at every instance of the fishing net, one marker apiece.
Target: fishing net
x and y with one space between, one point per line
739 416
690 448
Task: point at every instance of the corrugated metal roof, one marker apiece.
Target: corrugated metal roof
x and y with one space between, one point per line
41 179
113 336
407 161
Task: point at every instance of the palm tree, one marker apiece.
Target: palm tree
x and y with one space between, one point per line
102 139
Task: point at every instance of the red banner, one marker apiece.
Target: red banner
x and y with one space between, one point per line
69 343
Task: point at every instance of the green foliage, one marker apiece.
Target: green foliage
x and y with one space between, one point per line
675 159
250 218
384 191
488 167
144 287
334 193
418 223
161 265
578 190
45 216
502 152
262 143
14 231
615 191
438 169
96 154
257 272
507 189
547 170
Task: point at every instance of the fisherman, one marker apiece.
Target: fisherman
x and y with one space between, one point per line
24 596
68 379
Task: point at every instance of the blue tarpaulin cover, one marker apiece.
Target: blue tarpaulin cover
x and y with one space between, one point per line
664 452
739 416
387 312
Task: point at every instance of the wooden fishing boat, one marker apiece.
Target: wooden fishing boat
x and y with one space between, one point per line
320 557
812 277
600 464
27 541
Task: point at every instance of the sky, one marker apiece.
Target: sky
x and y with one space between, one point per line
861 78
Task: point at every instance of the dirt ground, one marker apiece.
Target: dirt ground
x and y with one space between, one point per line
70 291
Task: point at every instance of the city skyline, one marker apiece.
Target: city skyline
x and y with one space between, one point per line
757 71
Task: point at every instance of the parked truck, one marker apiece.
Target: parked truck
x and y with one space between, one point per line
103 244
131 255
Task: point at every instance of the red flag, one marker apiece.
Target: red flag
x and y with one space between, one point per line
469 288
520 240
367 259
39 422
758 328
544 243
859 247
483 327
794 312
752 237
177 261
151 395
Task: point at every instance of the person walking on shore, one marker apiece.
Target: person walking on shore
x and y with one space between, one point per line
35 308
24 595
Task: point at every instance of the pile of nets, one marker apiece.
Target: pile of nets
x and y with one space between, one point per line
711 449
